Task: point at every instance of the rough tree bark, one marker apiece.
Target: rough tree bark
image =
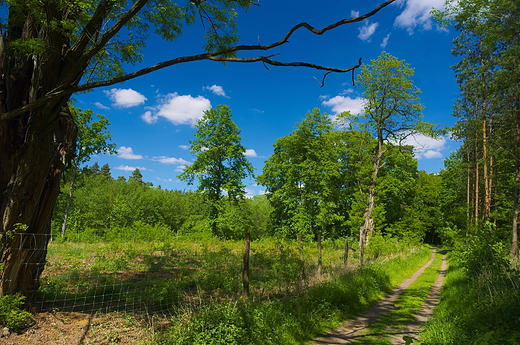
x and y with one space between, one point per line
367 227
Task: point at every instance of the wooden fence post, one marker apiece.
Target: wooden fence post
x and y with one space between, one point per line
245 266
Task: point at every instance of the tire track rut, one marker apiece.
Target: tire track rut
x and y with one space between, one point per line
355 329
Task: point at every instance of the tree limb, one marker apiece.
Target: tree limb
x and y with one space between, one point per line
64 90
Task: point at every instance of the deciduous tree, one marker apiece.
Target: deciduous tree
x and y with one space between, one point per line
220 165
51 49
391 113
93 137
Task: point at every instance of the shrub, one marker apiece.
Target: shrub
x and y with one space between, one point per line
11 314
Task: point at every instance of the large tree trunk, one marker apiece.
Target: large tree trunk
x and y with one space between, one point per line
34 148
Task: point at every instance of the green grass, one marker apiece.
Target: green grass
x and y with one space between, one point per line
479 307
198 282
407 305
294 319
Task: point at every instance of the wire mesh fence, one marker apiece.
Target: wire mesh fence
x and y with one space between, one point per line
88 274
96 276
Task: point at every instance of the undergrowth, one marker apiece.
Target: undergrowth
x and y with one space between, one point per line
294 319
480 300
12 315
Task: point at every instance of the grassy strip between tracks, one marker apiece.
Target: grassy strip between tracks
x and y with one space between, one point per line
406 306
297 318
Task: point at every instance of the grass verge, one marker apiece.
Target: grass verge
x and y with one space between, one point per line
476 307
294 319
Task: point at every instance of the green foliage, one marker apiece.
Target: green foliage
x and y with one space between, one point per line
12 315
303 179
220 164
295 319
478 305
220 168
93 135
392 111
28 47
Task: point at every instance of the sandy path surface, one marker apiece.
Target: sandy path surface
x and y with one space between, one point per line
355 329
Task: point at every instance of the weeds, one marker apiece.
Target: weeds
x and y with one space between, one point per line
480 301
294 319
12 315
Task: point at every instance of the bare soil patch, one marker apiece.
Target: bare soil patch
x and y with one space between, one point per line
71 328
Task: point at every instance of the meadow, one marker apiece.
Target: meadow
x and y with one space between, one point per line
193 286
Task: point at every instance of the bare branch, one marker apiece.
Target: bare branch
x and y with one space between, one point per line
64 90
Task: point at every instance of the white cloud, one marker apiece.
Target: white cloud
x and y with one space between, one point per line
367 30
347 91
149 117
129 168
417 14
170 160
125 98
385 41
184 147
354 14
250 153
426 147
101 106
127 153
167 180
216 89
428 154
340 104
178 109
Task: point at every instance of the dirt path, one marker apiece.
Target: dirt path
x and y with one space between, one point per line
355 329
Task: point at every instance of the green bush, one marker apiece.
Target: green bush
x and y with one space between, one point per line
12 315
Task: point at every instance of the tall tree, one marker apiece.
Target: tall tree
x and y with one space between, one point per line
220 165
93 137
391 112
300 178
489 78
51 49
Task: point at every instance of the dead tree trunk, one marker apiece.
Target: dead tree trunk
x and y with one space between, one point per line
368 223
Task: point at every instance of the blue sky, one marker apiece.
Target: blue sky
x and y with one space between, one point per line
152 117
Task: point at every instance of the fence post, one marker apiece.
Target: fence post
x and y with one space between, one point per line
245 266
320 261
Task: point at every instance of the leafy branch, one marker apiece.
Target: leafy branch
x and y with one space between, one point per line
220 55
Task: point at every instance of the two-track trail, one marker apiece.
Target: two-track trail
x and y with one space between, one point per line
357 329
